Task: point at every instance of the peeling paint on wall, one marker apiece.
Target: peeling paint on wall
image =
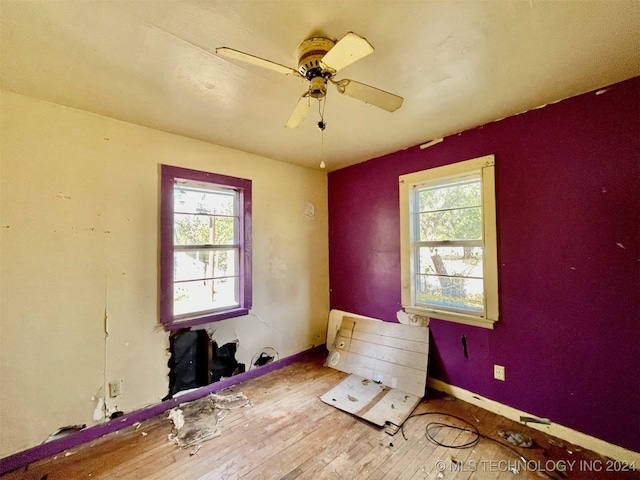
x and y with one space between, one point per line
45 149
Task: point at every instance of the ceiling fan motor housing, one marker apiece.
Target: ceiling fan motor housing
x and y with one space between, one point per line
310 53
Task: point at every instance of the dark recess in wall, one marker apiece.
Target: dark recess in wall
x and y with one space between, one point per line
196 361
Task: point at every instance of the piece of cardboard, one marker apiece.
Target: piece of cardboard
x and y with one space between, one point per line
393 354
371 401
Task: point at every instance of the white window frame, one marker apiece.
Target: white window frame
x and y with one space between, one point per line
486 166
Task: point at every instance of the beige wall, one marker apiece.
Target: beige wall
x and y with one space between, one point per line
79 248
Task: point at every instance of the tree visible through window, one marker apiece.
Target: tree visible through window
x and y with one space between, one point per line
205 247
448 244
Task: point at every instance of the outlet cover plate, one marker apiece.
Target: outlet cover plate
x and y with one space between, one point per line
115 388
499 372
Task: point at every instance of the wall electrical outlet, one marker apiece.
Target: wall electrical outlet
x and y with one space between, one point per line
498 372
115 388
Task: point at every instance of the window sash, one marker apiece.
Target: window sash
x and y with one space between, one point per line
234 279
188 271
479 169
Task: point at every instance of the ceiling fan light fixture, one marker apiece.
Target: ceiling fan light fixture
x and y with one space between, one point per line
318 87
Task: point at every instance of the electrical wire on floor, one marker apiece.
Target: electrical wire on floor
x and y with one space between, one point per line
470 428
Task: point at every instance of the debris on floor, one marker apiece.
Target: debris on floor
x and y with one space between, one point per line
230 401
197 421
378 404
517 439
556 443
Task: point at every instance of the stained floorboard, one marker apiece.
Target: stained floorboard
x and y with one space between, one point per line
288 433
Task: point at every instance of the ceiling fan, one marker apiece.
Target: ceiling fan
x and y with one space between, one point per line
319 60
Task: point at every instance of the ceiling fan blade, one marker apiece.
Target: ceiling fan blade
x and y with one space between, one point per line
260 62
350 48
300 112
371 95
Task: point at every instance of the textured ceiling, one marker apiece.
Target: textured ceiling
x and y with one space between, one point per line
458 64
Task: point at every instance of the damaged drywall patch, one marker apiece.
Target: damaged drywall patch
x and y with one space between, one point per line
98 412
198 421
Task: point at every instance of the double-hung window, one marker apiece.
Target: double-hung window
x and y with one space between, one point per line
205 247
449 257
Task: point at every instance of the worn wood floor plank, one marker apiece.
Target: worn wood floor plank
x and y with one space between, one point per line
288 433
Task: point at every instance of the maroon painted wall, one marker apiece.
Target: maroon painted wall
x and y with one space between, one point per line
568 206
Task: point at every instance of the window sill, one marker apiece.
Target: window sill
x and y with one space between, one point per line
451 317
213 317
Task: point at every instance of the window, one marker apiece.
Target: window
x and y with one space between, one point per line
205 247
448 234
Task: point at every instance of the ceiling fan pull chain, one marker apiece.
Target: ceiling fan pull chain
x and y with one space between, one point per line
321 124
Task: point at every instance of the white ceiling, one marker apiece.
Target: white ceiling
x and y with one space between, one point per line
458 64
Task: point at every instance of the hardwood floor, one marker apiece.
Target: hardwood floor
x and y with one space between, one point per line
288 433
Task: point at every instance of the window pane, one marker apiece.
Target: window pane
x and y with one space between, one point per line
459 224
201 200
463 193
203 295
204 230
205 242
450 261
205 264
450 277
450 292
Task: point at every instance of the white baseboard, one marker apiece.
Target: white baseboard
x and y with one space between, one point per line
565 433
